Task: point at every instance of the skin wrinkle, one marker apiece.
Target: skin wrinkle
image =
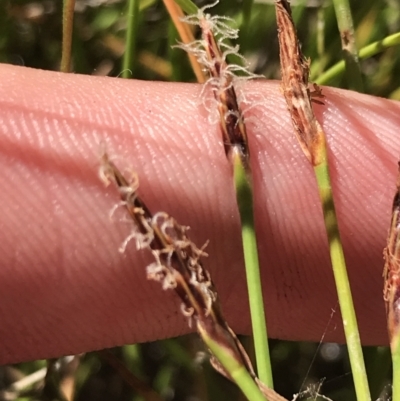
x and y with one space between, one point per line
34 296
373 264
366 194
26 223
376 157
364 108
295 247
372 146
351 122
74 320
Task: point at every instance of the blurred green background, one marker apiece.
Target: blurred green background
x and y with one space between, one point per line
177 369
30 35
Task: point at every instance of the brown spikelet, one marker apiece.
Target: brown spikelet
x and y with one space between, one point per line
231 117
391 272
212 51
178 266
295 86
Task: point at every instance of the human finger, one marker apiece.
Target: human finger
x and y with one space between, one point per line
66 289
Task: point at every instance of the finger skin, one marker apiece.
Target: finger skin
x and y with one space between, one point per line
64 286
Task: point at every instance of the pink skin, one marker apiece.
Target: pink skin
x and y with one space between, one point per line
64 286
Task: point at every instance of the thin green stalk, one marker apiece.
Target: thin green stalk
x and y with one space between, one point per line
342 283
365 52
312 140
68 25
396 369
130 57
244 195
349 47
234 136
236 370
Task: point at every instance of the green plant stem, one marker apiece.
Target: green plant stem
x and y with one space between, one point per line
244 196
320 37
68 24
395 349
342 283
128 63
236 370
346 28
188 6
365 52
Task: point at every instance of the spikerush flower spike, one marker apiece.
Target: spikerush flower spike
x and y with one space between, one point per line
178 266
295 86
312 140
212 51
391 292
392 272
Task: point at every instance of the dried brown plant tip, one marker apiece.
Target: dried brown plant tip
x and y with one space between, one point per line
178 266
231 117
212 51
295 72
391 272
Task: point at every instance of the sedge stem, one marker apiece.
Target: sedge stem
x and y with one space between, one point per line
366 52
342 283
349 47
67 29
396 368
237 371
128 62
244 195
